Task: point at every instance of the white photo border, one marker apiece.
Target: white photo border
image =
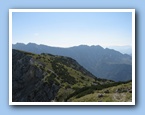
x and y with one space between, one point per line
71 10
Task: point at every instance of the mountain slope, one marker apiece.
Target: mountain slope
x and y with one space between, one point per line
46 77
103 63
119 93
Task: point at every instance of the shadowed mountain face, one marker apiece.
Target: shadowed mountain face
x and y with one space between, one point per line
103 63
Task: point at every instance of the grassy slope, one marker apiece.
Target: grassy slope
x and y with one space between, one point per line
71 78
120 93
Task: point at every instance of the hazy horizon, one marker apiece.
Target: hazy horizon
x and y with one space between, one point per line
66 29
73 46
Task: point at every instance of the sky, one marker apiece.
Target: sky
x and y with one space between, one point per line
67 29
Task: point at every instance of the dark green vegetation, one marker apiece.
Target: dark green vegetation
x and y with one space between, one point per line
103 63
46 77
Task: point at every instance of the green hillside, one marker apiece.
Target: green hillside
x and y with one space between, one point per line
119 93
46 77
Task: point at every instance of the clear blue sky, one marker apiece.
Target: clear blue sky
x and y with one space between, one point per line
72 29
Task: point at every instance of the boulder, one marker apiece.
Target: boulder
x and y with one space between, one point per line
100 95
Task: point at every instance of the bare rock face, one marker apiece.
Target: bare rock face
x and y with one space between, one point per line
27 83
43 93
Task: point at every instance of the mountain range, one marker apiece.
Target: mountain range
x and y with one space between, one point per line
102 63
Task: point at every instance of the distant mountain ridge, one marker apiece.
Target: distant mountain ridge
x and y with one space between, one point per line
104 63
123 49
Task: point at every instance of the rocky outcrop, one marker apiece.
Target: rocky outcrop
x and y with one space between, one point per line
27 83
100 95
